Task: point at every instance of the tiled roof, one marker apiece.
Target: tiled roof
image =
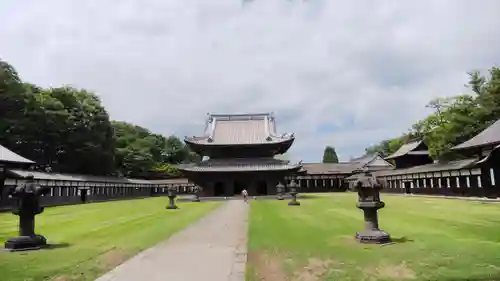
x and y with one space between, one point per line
373 160
8 156
227 129
369 161
405 149
363 159
489 136
73 177
434 167
171 181
240 165
329 168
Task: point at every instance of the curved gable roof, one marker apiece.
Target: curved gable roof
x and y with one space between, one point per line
489 136
8 156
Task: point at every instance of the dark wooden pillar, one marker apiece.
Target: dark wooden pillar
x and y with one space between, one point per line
3 177
486 182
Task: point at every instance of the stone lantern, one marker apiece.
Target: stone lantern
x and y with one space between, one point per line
368 188
293 191
280 188
197 191
28 206
171 198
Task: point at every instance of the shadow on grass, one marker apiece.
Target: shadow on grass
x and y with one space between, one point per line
400 240
56 246
476 278
308 196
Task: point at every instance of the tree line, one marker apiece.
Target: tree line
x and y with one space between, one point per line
453 120
68 130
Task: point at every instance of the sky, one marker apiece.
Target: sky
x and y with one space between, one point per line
342 73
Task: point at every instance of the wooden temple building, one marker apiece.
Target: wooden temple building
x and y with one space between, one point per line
10 160
413 171
475 174
321 177
413 153
239 152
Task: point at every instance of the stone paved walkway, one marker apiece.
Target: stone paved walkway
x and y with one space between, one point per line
213 249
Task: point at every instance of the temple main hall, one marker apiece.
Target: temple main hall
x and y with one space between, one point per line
239 153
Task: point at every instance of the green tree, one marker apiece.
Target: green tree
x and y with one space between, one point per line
16 104
85 129
69 130
330 155
455 119
141 153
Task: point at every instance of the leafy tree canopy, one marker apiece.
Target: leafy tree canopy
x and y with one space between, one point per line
330 155
455 119
69 130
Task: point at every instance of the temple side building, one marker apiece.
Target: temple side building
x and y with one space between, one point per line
239 152
9 160
413 153
476 173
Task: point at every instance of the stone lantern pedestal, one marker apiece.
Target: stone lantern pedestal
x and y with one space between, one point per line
197 191
372 234
171 199
279 190
28 206
368 188
293 192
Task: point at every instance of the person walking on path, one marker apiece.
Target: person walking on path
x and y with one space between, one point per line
244 193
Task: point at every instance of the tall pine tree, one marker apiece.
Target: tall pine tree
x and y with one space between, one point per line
330 155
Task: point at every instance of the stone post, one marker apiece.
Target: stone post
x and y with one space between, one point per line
197 190
279 190
293 192
28 206
368 188
2 180
171 199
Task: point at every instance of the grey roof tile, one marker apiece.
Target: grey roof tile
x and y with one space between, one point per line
369 161
405 149
227 129
363 159
434 167
240 164
489 136
171 181
329 168
73 177
8 156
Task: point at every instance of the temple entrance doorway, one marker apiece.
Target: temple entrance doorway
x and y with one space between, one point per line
219 189
238 187
83 195
407 186
262 188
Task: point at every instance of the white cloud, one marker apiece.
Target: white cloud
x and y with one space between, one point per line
367 68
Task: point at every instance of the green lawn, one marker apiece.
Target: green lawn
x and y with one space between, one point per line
437 239
93 238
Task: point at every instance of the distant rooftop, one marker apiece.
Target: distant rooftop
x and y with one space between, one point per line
408 149
7 156
489 136
228 129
